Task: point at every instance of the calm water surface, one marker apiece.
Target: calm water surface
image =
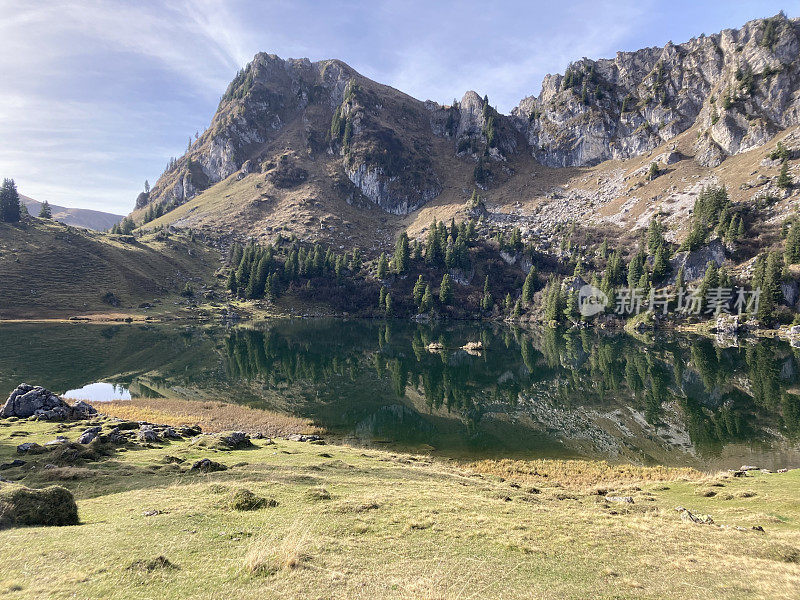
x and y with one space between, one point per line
679 400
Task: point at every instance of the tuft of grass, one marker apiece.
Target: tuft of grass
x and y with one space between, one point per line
266 556
159 563
22 506
243 499
318 493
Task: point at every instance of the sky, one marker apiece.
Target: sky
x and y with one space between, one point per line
96 96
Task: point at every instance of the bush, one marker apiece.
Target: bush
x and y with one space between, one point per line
21 506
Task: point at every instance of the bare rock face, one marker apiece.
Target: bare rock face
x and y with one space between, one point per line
741 85
28 401
694 263
737 89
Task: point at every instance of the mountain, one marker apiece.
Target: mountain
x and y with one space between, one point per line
318 150
79 217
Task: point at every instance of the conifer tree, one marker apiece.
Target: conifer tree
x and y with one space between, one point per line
401 253
487 301
382 297
446 290
784 179
383 265
528 287
427 300
45 212
419 290
10 211
389 307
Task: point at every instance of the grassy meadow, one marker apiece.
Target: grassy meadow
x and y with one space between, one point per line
325 521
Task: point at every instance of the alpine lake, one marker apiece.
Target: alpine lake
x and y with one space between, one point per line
678 400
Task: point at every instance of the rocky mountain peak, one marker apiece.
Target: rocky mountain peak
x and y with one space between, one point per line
737 89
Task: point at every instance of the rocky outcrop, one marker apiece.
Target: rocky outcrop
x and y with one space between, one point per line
694 263
35 401
738 86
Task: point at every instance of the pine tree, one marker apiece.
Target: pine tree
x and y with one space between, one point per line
554 302
660 264
427 300
446 290
784 179
509 302
419 290
518 309
487 301
231 285
382 297
389 308
792 253
401 253
635 269
45 212
383 265
529 286
653 171
9 202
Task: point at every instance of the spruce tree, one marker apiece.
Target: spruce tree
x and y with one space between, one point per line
419 290
382 297
9 202
45 212
660 265
784 179
383 265
792 253
401 253
487 301
389 308
529 286
446 290
427 300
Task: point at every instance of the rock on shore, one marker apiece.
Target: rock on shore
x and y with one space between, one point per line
29 401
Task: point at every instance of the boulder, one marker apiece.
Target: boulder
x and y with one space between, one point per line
10 465
21 506
30 448
236 440
298 437
88 435
36 401
206 465
148 435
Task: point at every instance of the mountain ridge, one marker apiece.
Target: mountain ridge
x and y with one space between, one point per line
77 217
311 148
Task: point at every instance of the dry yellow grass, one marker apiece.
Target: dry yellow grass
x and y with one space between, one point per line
267 556
211 416
578 473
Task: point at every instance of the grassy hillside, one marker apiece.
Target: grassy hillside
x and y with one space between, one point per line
352 523
78 217
53 270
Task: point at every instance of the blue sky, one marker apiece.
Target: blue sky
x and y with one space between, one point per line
96 96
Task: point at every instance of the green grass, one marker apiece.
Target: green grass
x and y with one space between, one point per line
50 270
353 523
